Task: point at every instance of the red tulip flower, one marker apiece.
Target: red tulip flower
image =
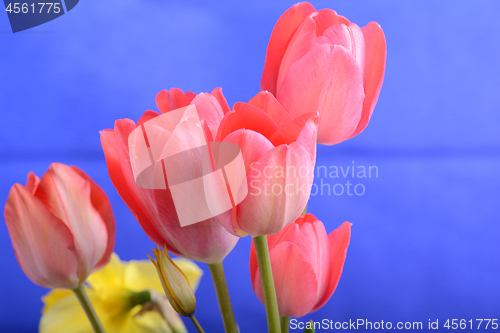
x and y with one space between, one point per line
318 61
154 209
61 226
279 153
306 264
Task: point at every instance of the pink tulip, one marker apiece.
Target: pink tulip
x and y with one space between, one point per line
61 226
154 209
318 61
306 264
279 154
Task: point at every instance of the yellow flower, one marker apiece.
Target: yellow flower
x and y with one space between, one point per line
126 297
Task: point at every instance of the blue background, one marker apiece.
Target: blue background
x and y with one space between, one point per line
425 235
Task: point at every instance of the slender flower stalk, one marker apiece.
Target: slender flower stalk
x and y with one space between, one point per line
226 310
285 324
268 289
196 323
89 310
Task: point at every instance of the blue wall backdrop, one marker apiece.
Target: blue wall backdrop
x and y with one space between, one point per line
425 236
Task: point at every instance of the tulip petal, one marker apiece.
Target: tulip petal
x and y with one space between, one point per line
210 110
350 37
206 241
310 236
376 53
291 232
217 93
279 187
308 137
187 136
253 145
325 18
246 116
185 157
326 80
266 101
101 203
32 182
157 137
67 195
312 232
297 287
148 115
290 131
339 242
280 38
173 99
302 42
43 244
206 131
115 147
141 202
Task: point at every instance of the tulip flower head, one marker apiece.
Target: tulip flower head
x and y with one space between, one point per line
306 263
279 153
61 226
206 241
318 61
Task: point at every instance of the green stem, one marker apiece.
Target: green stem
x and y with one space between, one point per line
268 289
226 310
285 324
196 323
304 212
89 310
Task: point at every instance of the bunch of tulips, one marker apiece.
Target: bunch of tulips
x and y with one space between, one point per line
321 80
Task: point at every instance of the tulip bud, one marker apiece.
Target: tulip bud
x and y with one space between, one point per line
174 282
